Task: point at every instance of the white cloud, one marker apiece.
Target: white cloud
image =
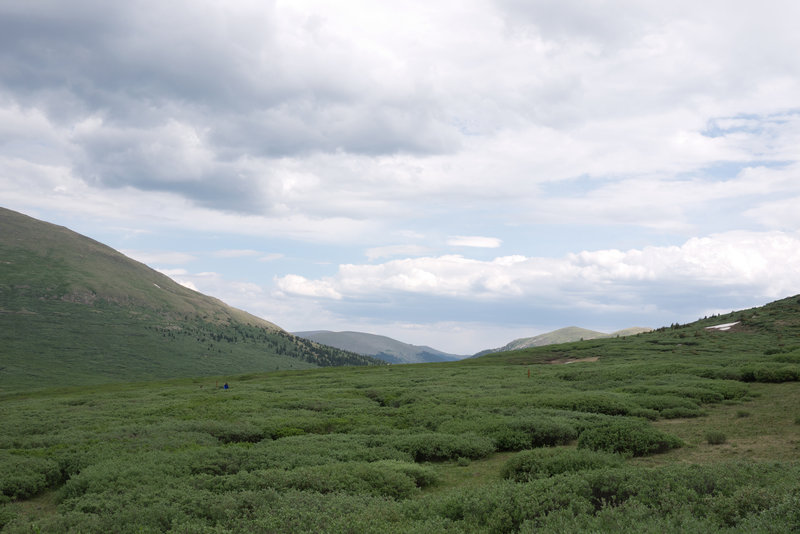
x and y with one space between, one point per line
473 241
761 263
179 276
240 294
298 285
358 122
187 283
371 130
782 213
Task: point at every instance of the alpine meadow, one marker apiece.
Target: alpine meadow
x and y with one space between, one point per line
132 404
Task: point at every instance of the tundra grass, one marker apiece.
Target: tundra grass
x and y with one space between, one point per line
424 448
766 434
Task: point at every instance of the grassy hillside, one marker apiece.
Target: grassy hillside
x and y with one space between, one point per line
45 262
684 429
382 347
562 335
74 311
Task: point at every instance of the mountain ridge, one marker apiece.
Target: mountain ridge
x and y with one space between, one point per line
96 270
562 335
378 346
75 311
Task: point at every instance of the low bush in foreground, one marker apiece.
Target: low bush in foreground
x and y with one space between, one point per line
435 446
25 476
540 463
770 372
628 436
526 432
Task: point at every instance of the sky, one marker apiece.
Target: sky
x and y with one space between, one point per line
455 174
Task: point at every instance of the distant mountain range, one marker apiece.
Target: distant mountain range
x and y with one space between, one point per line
74 311
382 347
394 351
562 335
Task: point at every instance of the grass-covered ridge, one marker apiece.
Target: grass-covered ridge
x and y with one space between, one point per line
74 311
628 442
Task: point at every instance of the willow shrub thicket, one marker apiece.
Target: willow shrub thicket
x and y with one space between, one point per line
473 446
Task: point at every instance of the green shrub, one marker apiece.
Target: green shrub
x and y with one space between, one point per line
592 402
729 510
7 514
715 437
529 432
24 476
353 478
539 463
504 506
770 373
789 357
433 446
729 388
286 431
670 406
422 476
681 413
234 432
627 436
782 514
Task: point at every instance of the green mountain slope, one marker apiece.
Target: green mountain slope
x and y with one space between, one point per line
74 311
766 337
563 335
382 347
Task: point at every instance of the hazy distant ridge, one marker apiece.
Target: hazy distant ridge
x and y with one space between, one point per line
383 347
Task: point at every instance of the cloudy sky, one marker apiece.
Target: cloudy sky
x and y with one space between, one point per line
451 173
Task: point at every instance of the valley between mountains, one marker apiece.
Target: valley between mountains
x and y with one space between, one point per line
130 403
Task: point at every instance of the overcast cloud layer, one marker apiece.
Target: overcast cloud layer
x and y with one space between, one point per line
447 173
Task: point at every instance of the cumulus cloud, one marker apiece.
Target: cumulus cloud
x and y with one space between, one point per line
759 263
399 134
319 110
299 285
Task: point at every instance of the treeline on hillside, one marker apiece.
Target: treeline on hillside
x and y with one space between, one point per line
214 337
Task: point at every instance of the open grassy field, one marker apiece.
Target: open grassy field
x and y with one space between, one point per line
682 429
